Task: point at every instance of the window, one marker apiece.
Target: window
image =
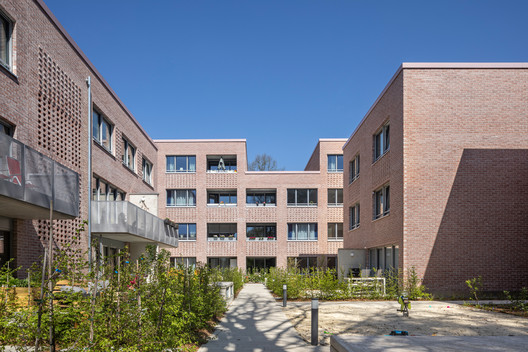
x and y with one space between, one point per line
6 28
6 128
381 141
102 130
187 232
102 190
302 197
302 232
147 171
261 232
384 258
335 231
381 201
303 263
353 217
221 232
222 262
335 196
222 197
129 155
187 262
353 167
183 163
221 163
335 163
181 197
261 197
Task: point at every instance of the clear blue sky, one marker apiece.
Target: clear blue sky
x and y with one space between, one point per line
280 73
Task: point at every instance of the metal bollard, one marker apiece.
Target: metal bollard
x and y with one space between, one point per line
315 321
284 295
266 282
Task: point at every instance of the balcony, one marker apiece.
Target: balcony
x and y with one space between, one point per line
123 221
29 181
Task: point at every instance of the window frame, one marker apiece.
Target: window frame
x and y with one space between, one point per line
269 232
187 198
222 235
147 165
353 169
126 147
187 237
335 225
337 157
219 194
310 203
102 120
187 163
336 195
381 142
293 228
7 62
267 194
354 217
230 163
381 202
184 261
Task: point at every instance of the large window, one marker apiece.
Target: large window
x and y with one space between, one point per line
147 171
335 231
303 263
222 262
302 232
261 232
335 196
384 258
6 28
261 197
102 130
129 155
302 197
181 163
353 167
181 197
222 197
353 217
188 262
221 232
335 163
187 232
221 163
381 202
381 141
103 190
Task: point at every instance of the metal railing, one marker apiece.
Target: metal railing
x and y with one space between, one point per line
32 177
121 217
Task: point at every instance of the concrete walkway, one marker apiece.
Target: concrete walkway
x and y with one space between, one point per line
255 322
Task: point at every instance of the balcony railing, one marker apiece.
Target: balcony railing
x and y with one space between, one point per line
222 238
124 221
270 238
35 179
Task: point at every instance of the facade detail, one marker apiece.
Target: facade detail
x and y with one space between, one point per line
251 219
447 178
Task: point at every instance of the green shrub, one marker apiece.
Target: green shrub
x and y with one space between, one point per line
475 285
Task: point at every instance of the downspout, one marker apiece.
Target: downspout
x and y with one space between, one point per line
90 136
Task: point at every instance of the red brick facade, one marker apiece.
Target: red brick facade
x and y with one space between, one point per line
458 174
242 214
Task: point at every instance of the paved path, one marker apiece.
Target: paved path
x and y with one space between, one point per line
255 322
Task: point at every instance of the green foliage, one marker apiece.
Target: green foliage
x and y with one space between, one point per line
141 305
519 301
475 285
413 286
235 275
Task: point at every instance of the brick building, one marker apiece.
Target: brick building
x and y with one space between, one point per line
439 169
229 216
45 113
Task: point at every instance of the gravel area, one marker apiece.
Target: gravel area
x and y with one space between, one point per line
426 318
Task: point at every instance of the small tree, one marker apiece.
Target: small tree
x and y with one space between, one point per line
475 285
264 162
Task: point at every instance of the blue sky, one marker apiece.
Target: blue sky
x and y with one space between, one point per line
280 73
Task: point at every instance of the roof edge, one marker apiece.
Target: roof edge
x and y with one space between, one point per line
198 140
90 65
